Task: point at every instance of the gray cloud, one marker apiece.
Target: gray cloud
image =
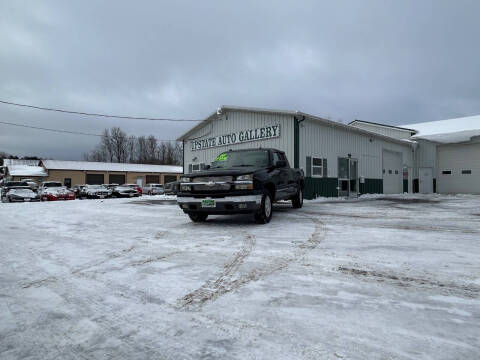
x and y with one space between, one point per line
384 61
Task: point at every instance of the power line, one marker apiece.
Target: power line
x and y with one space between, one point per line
58 130
94 114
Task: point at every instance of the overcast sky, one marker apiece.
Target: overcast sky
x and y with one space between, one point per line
394 62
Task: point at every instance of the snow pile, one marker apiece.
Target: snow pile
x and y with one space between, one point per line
448 131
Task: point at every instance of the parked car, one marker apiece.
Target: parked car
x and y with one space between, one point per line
241 181
9 184
56 193
77 190
95 192
31 183
171 188
136 187
19 193
110 188
49 185
153 189
124 191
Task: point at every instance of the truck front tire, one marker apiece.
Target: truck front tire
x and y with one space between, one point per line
264 213
198 217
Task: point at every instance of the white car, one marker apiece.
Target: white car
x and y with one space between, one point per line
50 185
95 192
153 189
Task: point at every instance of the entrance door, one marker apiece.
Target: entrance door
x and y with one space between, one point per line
425 179
140 181
353 177
392 172
347 177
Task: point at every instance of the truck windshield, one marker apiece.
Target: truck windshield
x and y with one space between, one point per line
231 159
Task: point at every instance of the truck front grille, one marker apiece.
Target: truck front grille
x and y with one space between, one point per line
212 183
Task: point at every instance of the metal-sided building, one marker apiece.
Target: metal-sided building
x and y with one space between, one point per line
446 156
337 159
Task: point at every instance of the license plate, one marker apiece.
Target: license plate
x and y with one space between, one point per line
208 203
26 199
131 195
102 196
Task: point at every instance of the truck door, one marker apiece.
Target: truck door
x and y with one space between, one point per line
281 174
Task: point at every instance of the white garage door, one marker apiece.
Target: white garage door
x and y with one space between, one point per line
459 169
392 172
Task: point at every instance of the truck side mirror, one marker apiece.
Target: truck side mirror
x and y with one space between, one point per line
280 164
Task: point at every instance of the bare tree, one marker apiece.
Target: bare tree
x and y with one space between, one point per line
106 146
152 149
118 139
116 145
141 150
131 149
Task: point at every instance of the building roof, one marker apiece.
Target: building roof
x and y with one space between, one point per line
384 125
448 131
26 170
20 162
285 112
103 166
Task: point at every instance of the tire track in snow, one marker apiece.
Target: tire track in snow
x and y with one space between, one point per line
216 287
227 281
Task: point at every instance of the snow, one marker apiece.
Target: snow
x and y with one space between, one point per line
26 170
102 166
448 131
20 162
379 277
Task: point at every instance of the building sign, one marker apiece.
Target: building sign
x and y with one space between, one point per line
262 133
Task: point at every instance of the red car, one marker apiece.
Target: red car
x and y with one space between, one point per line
136 187
53 194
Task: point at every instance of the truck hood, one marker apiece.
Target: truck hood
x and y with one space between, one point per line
224 172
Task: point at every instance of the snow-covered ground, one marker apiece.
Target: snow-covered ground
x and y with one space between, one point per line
380 277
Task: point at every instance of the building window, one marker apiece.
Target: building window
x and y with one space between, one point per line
67 182
466 172
446 172
396 172
317 167
198 167
390 172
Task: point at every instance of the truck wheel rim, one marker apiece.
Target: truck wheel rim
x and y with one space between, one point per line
268 206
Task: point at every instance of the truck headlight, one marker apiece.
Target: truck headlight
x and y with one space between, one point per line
245 181
245 177
184 179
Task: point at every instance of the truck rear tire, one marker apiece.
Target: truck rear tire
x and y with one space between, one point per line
198 217
297 200
264 214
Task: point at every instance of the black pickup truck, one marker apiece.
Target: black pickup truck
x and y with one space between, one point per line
241 181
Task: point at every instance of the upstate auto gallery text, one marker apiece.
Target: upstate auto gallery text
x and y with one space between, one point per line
266 132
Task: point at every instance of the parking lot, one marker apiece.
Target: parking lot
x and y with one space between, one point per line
380 277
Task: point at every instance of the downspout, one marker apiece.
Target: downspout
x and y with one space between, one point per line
183 152
296 141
